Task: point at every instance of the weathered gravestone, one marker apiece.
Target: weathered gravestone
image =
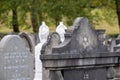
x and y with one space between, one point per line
82 56
115 44
53 40
29 42
16 62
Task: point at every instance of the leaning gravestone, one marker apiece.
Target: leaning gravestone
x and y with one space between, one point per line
29 42
16 62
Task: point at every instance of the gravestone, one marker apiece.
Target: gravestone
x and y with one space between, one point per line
42 31
61 31
16 62
53 40
43 34
29 42
81 56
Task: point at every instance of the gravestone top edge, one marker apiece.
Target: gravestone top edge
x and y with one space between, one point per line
16 61
81 38
58 56
5 40
29 40
50 42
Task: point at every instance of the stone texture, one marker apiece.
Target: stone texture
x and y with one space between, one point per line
82 56
52 41
61 31
15 59
83 39
29 42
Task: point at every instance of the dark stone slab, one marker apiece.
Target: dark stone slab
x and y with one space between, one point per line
85 74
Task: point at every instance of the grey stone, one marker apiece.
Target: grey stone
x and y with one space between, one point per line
16 61
29 42
83 39
82 56
85 74
52 41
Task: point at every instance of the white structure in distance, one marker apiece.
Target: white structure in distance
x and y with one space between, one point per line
61 31
43 34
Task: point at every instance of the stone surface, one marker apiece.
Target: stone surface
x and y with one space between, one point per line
15 59
81 56
85 74
29 42
83 39
53 41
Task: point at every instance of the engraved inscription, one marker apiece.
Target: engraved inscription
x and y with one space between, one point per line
15 63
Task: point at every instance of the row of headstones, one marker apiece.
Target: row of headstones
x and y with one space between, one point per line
44 31
83 40
43 36
112 45
61 30
17 60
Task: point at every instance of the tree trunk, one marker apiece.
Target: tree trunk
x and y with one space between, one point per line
118 11
57 21
15 20
34 18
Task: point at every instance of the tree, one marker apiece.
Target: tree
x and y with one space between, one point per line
34 17
53 11
118 10
15 19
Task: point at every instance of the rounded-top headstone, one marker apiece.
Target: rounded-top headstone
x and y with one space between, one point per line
43 32
61 31
16 62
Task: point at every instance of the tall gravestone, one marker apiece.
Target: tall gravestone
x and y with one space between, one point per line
16 62
82 56
61 31
43 34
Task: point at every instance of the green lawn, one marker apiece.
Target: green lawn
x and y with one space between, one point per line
110 29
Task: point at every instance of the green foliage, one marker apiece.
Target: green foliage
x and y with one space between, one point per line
53 11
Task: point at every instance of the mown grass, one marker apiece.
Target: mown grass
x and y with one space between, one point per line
111 29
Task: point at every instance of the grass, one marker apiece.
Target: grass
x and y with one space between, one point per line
110 29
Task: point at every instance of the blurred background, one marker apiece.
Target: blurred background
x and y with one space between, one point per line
27 15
